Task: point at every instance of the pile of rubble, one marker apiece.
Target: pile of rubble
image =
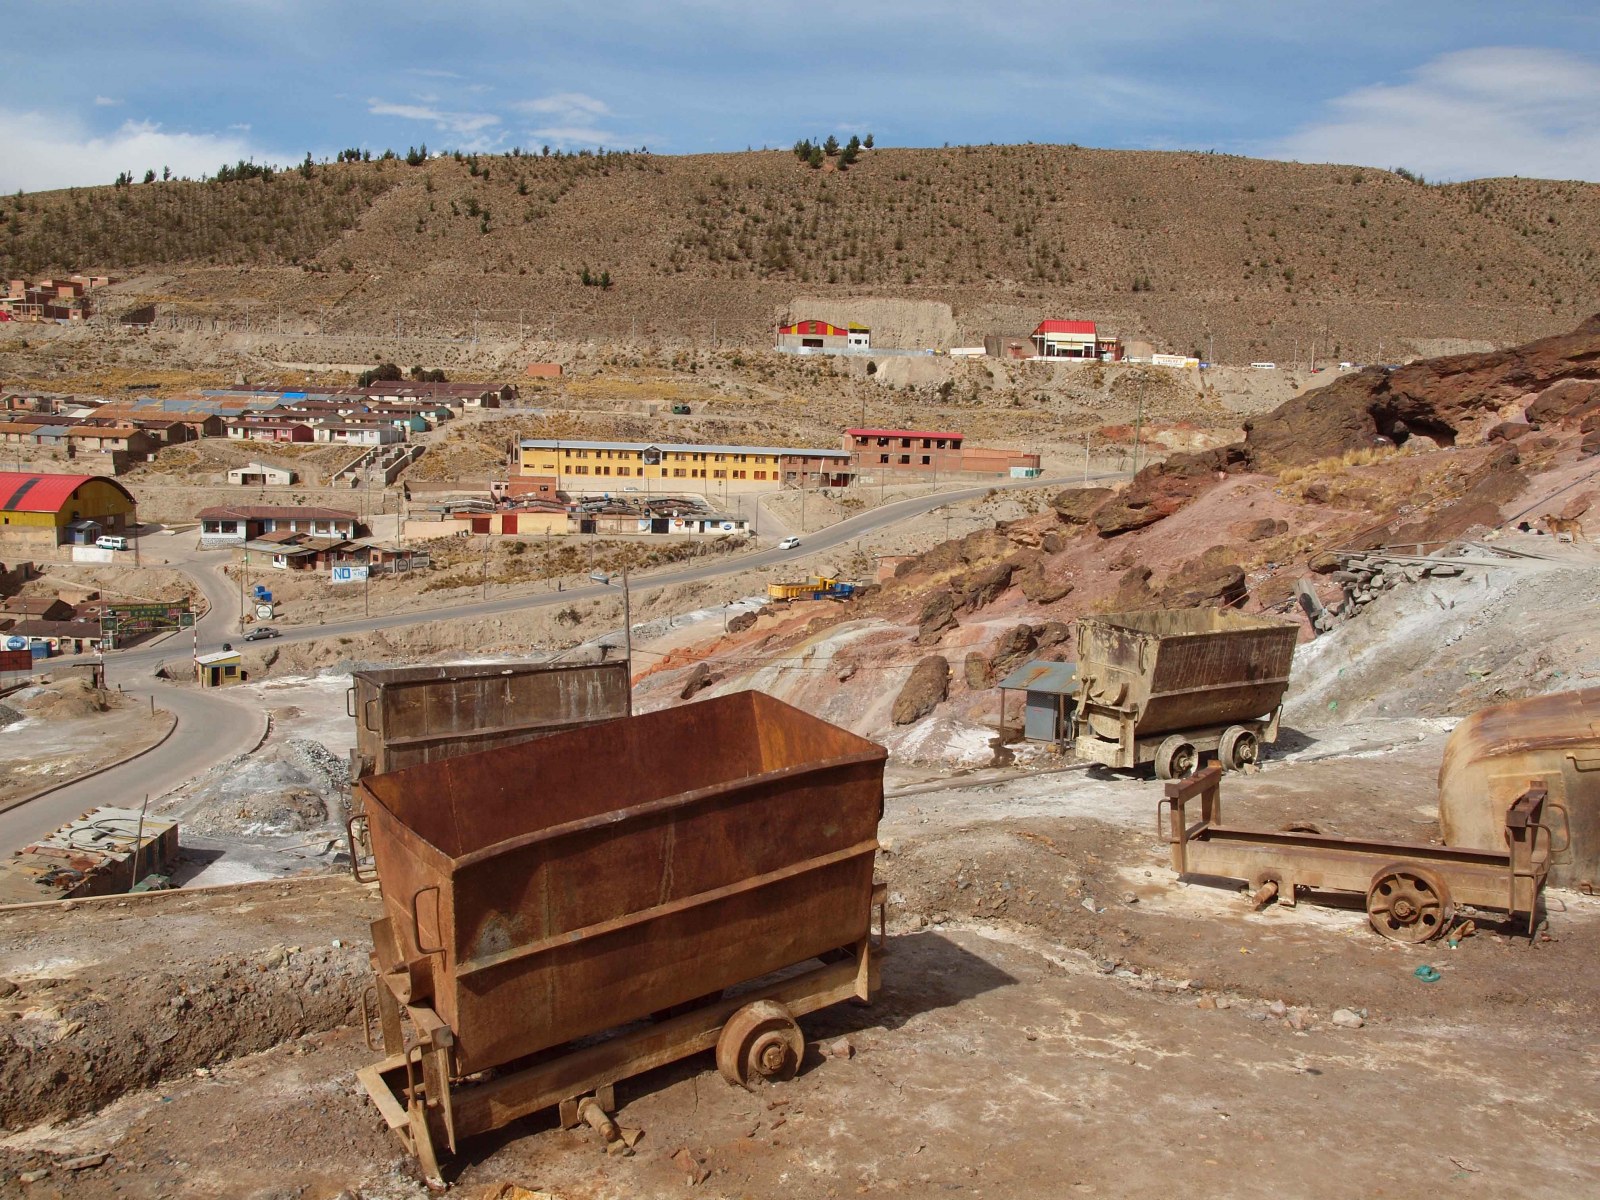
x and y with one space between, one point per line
1362 576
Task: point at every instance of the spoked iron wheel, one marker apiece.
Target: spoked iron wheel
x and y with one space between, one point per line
1240 748
1409 903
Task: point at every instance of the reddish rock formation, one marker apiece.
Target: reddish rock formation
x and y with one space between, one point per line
927 687
1438 398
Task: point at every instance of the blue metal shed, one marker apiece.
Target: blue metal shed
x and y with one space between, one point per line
1049 688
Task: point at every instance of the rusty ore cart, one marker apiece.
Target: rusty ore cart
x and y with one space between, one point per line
710 865
1168 687
1411 888
411 715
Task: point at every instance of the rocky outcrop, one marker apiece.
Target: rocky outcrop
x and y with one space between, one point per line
741 622
1438 398
982 586
1209 587
699 679
1011 648
979 671
1076 505
1163 488
1569 398
924 691
1257 531
938 614
1041 587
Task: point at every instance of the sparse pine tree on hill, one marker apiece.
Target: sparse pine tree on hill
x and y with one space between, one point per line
867 143
831 146
816 157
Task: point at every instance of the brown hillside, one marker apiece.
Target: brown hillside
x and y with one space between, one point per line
1178 247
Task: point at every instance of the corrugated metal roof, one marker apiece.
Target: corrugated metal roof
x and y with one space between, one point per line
1058 678
24 492
671 447
1079 327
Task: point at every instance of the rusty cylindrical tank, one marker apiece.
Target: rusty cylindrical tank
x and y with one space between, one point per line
1494 755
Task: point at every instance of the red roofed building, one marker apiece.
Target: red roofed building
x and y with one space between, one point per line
56 509
1074 339
885 451
824 336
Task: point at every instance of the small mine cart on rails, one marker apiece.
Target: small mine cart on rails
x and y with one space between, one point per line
1169 687
565 913
1411 888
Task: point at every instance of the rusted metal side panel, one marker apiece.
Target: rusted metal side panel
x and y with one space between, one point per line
597 875
1493 756
423 714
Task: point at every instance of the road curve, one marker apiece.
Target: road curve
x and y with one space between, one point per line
211 729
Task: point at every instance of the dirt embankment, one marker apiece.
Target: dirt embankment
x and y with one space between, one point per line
101 997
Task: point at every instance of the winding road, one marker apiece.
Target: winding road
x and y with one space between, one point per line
213 727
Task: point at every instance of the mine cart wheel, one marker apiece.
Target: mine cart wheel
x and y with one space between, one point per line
1239 748
760 1041
1409 903
1176 758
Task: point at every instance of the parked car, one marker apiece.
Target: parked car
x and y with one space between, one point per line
789 543
111 542
261 633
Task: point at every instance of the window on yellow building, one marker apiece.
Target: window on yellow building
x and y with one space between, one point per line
719 474
677 472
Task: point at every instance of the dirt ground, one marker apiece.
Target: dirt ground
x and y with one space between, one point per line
1058 1017
65 729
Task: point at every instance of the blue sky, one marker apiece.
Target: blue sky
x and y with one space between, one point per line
1453 90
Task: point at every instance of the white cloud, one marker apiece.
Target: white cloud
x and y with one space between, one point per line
566 105
470 125
1468 115
106 102
41 151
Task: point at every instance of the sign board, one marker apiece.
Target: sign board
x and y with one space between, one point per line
263 612
16 660
348 574
126 622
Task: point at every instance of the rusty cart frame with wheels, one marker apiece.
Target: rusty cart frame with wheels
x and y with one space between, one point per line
563 914
1167 688
1411 888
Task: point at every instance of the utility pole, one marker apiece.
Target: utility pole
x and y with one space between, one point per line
1138 422
627 629
1086 459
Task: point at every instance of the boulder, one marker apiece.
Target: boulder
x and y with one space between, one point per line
1133 589
1257 531
1560 400
1211 587
1507 431
1053 543
1051 633
741 622
979 671
1011 648
699 679
983 585
938 614
1039 586
1076 505
924 690
1577 506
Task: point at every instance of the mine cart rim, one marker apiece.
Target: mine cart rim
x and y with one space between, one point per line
1240 748
760 1041
1408 902
1177 758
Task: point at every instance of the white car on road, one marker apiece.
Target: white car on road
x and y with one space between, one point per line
789 543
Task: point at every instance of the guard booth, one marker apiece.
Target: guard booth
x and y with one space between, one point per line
218 669
1050 690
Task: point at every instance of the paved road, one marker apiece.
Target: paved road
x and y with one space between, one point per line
211 728
222 621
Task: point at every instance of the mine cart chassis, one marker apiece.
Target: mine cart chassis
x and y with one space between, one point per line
1177 753
754 1033
1411 888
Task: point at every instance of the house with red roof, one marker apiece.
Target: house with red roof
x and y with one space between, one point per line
823 337
54 510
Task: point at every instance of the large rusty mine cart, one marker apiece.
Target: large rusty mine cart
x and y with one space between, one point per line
1169 687
709 866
